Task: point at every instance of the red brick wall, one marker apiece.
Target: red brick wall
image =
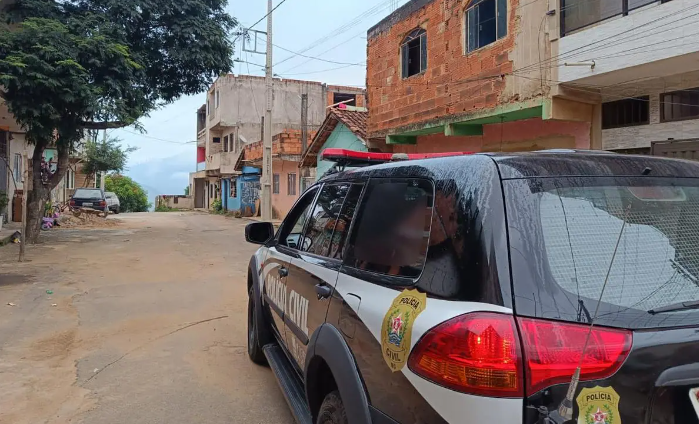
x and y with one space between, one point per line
285 143
453 83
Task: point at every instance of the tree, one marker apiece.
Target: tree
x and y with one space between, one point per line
186 191
132 197
67 66
105 156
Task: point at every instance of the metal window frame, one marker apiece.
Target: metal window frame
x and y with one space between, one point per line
624 12
664 118
275 183
474 5
419 34
644 99
291 187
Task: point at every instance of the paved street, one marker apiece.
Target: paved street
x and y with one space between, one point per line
119 345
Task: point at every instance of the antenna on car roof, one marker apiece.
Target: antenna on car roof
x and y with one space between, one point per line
564 413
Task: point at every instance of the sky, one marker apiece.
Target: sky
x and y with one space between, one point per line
334 30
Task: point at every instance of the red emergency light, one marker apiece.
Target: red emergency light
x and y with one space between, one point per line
355 158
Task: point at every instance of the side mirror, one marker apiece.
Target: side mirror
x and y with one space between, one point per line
259 232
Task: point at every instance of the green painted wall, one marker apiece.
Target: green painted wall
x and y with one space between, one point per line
341 138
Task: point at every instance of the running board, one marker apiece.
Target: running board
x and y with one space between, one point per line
290 384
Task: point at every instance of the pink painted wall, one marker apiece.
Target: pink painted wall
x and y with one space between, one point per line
525 135
283 201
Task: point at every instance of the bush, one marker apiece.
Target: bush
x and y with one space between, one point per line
132 197
217 206
164 208
4 200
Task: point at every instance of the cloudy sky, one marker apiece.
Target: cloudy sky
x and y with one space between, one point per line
333 30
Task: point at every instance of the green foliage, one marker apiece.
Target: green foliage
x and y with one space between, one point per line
4 200
105 156
71 65
217 206
132 197
165 208
186 191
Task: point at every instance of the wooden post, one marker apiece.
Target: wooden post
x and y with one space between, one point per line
25 194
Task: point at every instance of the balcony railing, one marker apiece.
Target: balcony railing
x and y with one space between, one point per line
577 14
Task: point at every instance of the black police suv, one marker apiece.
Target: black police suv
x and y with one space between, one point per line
481 288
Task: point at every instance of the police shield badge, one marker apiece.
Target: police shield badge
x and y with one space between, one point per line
397 327
598 405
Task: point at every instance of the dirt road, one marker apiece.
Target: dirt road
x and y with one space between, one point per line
124 342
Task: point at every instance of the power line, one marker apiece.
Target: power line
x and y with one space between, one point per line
324 51
341 29
261 19
317 58
572 52
158 139
318 72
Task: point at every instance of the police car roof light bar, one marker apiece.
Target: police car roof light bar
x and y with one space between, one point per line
353 158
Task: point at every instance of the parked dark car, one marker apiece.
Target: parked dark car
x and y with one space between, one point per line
93 198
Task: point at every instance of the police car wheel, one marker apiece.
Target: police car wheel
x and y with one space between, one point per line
254 349
332 411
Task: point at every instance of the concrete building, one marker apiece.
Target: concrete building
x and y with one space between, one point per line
232 118
174 202
343 128
12 148
441 77
634 64
286 153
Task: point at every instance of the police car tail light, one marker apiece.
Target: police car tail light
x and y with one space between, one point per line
475 353
552 352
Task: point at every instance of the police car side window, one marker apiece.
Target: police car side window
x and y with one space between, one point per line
292 232
324 217
344 221
391 234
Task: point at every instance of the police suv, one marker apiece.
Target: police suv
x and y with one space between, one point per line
546 287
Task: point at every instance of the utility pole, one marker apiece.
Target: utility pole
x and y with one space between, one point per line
266 202
25 194
304 137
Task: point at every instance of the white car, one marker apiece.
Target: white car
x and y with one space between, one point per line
112 201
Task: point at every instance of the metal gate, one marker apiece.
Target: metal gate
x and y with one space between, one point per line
680 149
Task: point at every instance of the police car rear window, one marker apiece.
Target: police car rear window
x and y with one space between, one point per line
391 232
576 228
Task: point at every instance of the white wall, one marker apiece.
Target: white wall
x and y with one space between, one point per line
17 146
643 135
657 32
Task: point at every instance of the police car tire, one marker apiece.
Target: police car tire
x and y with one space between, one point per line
255 351
332 410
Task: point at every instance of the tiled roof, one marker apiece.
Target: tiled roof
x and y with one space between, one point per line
353 119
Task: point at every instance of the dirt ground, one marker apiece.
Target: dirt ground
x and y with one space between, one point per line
143 321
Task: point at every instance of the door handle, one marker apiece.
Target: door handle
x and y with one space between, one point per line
323 291
283 272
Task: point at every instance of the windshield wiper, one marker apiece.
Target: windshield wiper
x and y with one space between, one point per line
679 306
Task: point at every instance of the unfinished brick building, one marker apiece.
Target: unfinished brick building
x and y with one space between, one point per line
286 153
446 75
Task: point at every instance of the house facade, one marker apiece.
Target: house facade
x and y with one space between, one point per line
343 128
517 75
636 63
286 186
232 118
